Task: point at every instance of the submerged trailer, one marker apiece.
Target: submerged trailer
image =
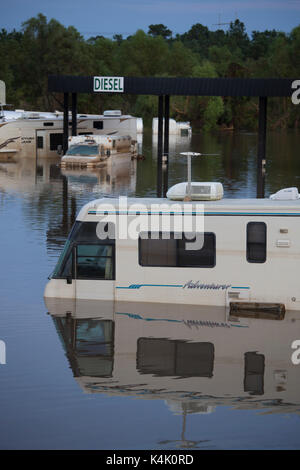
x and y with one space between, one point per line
250 253
96 151
30 133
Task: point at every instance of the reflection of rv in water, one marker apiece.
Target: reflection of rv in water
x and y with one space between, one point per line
29 133
117 176
138 350
29 174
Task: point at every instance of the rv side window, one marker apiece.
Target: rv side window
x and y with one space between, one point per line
40 142
98 125
55 141
173 253
164 357
256 242
95 261
254 373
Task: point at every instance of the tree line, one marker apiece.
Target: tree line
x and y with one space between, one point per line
44 47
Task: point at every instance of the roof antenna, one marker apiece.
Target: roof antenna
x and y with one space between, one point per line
189 156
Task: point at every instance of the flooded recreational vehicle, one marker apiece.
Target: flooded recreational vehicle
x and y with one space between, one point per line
250 252
97 150
26 133
182 129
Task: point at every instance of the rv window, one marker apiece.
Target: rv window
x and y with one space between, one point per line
157 252
254 373
83 150
83 233
67 269
256 242
40 142
90 345
98 125
55 141
163 357
95 262
173 253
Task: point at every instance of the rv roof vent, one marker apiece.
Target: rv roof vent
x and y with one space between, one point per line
112 112
286 194
199 191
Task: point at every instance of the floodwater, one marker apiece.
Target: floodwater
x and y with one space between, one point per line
112 376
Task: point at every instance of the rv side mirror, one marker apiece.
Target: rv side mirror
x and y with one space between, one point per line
59 149
69 279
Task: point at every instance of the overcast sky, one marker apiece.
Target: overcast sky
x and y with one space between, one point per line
109 17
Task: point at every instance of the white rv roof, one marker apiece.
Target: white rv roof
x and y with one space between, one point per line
97 139
234 206
58 115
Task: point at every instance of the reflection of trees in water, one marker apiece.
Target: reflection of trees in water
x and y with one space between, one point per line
57 233
51 205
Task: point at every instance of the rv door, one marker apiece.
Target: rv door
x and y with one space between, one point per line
41 143
95 270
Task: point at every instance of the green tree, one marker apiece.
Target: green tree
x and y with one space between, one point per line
143 55
198 39
238 37
181 60
156 30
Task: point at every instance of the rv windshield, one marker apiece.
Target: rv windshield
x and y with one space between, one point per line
83 150
95 256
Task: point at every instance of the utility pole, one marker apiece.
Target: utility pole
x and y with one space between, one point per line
219 22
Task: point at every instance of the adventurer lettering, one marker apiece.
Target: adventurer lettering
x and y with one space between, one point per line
199 285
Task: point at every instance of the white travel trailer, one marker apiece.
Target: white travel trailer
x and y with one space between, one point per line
182 129
250 253
35 133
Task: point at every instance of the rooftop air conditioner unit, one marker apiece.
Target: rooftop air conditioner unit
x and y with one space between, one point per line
199 191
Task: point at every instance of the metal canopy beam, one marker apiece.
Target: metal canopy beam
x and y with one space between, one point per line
164 87
159 145
66 122
180 86
166 145
74 113
261 151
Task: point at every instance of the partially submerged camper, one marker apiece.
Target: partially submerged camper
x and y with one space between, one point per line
250 253
95 151
182 129
30 133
